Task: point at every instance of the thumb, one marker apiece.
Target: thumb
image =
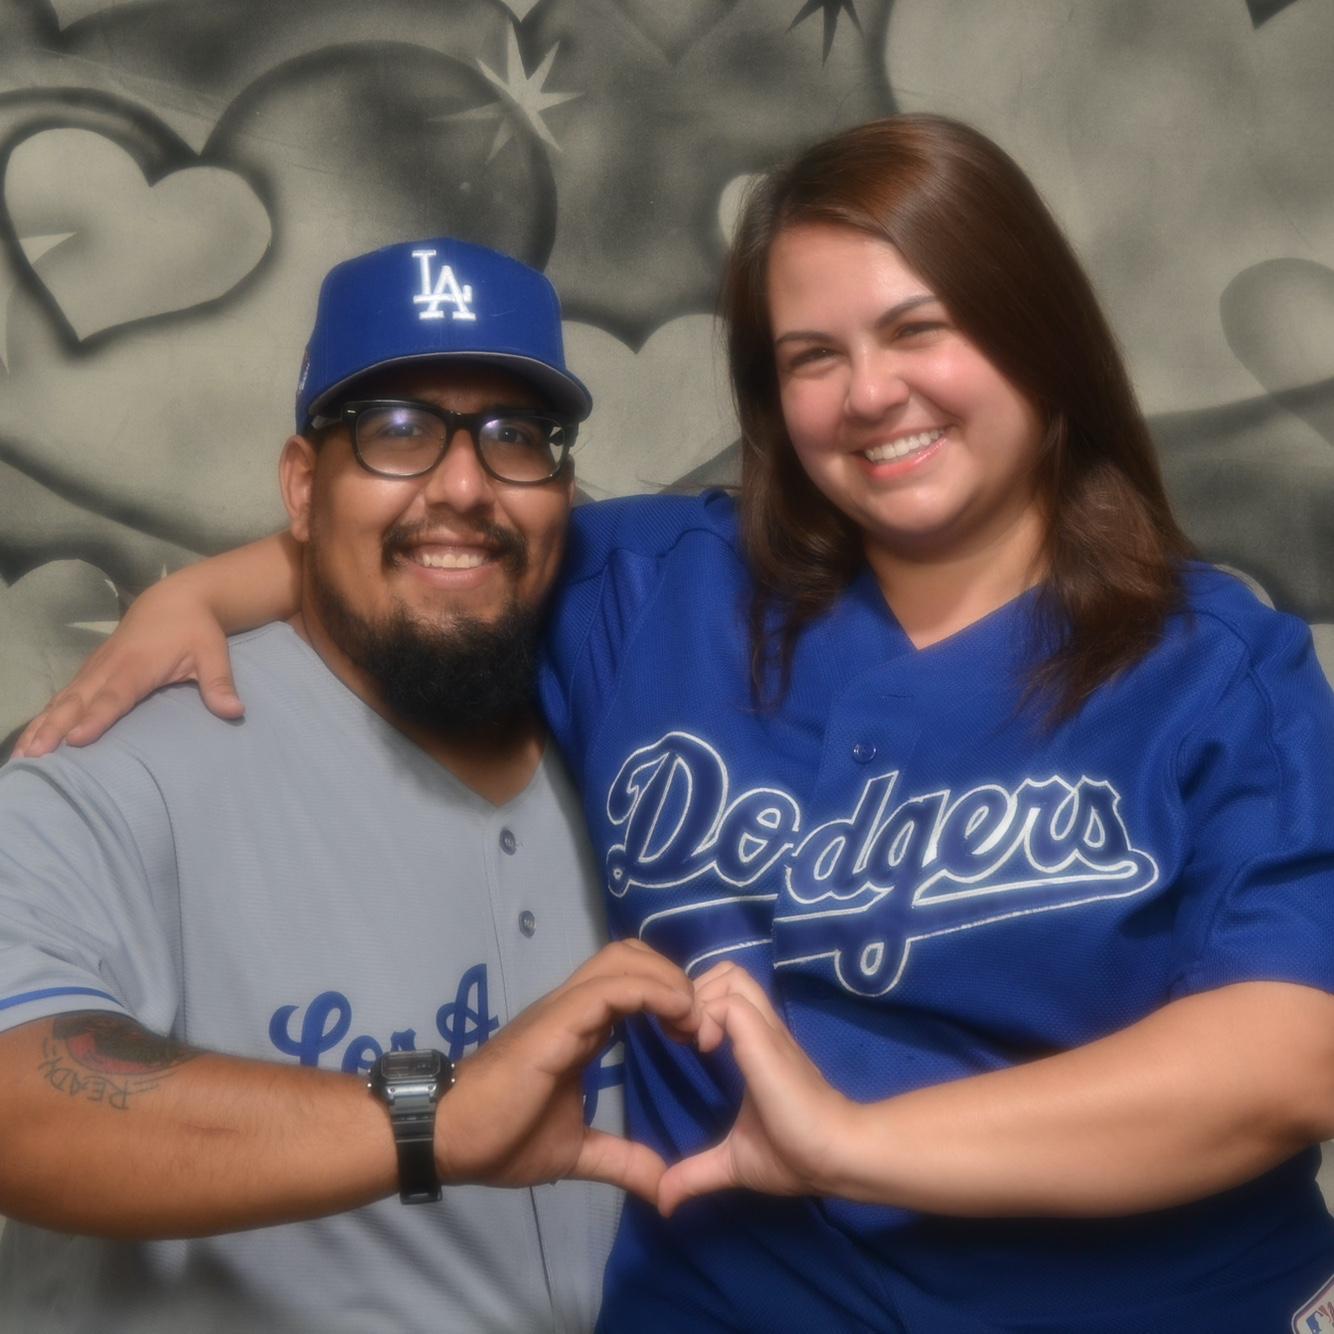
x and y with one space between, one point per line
213 670
699 1174
619 1162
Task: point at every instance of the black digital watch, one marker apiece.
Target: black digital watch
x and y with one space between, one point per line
410 1084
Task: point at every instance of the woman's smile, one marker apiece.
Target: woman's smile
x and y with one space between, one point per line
893 413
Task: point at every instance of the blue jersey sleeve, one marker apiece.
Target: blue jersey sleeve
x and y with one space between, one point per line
613 565
1257 785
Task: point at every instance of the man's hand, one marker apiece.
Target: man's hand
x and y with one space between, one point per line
792 1126
515 1115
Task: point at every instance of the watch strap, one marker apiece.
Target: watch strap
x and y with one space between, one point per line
414 1137
410 1085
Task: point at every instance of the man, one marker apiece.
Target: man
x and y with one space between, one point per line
380 859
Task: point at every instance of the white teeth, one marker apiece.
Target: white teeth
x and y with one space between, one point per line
899 449
449 560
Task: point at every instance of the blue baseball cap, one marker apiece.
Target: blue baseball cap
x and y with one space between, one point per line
430 300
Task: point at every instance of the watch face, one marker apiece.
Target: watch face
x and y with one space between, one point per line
410 1064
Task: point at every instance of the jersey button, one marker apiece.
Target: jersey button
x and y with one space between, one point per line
527 922
507 840
863 752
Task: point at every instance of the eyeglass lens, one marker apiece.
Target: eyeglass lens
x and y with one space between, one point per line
403 440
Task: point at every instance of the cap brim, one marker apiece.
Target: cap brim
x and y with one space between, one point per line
562 391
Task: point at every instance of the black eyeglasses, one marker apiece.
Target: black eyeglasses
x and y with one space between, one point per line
403 438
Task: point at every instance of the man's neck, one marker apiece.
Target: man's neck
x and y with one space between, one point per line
497 766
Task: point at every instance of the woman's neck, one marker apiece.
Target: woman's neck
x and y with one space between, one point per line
934 595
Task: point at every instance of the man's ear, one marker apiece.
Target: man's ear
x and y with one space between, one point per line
296 478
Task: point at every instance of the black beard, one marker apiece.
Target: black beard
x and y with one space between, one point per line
460 680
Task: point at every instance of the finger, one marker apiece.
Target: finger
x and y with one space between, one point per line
688 1032
755 1043
566 1030
710 1033
620 1162
101 710
725 976
30 743
711 991
635 959
712 976
48 729
574 1027
595 1004
631 956
729 980
697 1175
768 1057
640 947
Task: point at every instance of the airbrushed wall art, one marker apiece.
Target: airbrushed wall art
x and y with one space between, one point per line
175 176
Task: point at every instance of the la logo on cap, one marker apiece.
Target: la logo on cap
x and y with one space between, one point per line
446 290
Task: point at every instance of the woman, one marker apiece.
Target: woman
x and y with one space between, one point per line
999 846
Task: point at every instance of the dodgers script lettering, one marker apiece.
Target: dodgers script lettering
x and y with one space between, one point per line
858 890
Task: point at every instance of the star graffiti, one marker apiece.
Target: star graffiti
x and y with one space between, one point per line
832 10
522 93
1262 11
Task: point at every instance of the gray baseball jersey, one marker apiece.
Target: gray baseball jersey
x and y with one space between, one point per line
307 886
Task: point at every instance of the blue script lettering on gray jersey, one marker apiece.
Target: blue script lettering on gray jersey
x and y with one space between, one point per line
304 886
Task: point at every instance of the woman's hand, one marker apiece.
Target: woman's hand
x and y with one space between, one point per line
175 632
793 1128
165 637
1198 1097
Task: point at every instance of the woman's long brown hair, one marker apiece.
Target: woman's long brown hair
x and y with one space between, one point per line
971 225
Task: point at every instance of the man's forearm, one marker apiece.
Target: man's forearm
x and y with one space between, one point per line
108 1129
111 1130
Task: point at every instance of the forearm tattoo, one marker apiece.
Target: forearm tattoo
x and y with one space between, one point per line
108 1059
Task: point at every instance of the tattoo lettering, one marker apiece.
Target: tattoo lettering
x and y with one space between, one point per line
105 1058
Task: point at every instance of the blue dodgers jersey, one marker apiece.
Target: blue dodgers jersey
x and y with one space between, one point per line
932 885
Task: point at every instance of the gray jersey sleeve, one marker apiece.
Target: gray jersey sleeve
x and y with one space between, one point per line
87 901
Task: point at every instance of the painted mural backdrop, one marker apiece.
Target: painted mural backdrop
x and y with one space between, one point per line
176 175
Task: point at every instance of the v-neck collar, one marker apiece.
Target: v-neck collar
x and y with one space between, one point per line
861 635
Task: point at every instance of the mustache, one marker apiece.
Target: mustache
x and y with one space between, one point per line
511 547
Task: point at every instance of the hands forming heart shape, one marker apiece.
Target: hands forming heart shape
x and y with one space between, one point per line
515 1115
792 1124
